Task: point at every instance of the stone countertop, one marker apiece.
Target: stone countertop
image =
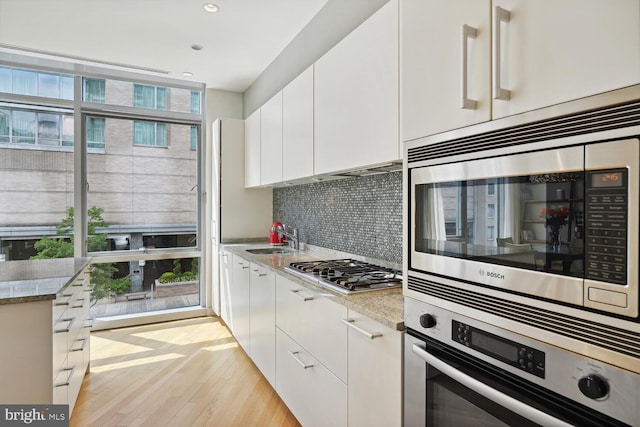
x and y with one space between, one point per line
37 280
384 306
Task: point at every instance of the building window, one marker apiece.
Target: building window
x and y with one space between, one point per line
491 189
491 210
150 97
36 128
491 232
194 137
195 102
95 132
150 133
94 90
36 83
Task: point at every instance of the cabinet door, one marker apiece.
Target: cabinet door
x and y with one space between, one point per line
262 296
225 288
240 302
375 373
314 322
297 127
313 394
555 51
252 150
271 141
356 97
435 70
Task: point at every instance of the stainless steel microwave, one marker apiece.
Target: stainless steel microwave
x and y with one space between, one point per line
545 208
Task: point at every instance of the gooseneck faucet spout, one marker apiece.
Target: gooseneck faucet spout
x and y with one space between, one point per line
292 236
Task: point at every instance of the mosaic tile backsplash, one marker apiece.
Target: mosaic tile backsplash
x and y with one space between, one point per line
360 215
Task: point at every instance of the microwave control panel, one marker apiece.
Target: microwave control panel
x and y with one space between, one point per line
607 204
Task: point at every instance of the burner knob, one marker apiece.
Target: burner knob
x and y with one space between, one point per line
427 321
593 386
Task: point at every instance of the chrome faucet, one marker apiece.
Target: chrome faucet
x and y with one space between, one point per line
291 236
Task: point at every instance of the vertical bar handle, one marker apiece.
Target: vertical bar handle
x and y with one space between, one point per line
501 15
466 103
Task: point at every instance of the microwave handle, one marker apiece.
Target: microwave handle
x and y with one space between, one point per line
496 396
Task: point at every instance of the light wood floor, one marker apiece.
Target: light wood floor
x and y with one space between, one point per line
182 373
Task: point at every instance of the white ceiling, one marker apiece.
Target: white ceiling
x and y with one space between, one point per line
238 42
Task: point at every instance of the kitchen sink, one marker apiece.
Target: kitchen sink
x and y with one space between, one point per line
268 251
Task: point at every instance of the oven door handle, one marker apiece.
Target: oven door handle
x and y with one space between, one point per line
490 393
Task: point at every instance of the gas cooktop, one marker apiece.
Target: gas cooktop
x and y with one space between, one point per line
347 276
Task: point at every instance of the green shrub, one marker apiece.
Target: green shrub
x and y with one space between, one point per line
168 277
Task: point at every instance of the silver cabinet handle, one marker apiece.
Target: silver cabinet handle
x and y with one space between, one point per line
350 323
223 254
71 320
257 271
244 267
466 34
501 15
81 348
68 381
295 354
492 394
297 293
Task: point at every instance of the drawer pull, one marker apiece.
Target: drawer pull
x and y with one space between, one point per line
68 381
68 328
244 267
295 354
81 301
81 348
304 298
371 336
58 303
258 273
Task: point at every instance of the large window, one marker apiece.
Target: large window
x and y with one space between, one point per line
140 203
150 133
34 83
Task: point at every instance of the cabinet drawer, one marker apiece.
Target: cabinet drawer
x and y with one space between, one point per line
314 395
315 322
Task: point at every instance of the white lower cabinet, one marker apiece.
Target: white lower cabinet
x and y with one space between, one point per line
240 315
375 373
262 324
315 322
313 394
331 365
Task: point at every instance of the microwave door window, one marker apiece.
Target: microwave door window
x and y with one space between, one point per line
532 222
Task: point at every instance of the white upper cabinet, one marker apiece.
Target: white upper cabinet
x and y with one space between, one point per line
356 97
252 150
271 141
297 127
555 51
469 61
438 62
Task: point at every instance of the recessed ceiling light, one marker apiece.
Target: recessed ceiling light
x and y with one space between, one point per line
187 74
196 47
210 7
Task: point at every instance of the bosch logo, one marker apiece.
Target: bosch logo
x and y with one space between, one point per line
491 274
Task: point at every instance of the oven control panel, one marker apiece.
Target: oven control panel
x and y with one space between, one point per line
515 354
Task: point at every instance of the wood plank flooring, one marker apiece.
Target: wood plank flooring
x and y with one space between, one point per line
182 373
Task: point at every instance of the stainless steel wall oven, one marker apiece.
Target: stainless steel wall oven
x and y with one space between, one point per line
529 224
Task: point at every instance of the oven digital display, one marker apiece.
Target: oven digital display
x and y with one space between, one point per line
518 355
499 348
607 179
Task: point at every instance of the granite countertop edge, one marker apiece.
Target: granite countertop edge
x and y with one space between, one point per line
383 306
50 294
